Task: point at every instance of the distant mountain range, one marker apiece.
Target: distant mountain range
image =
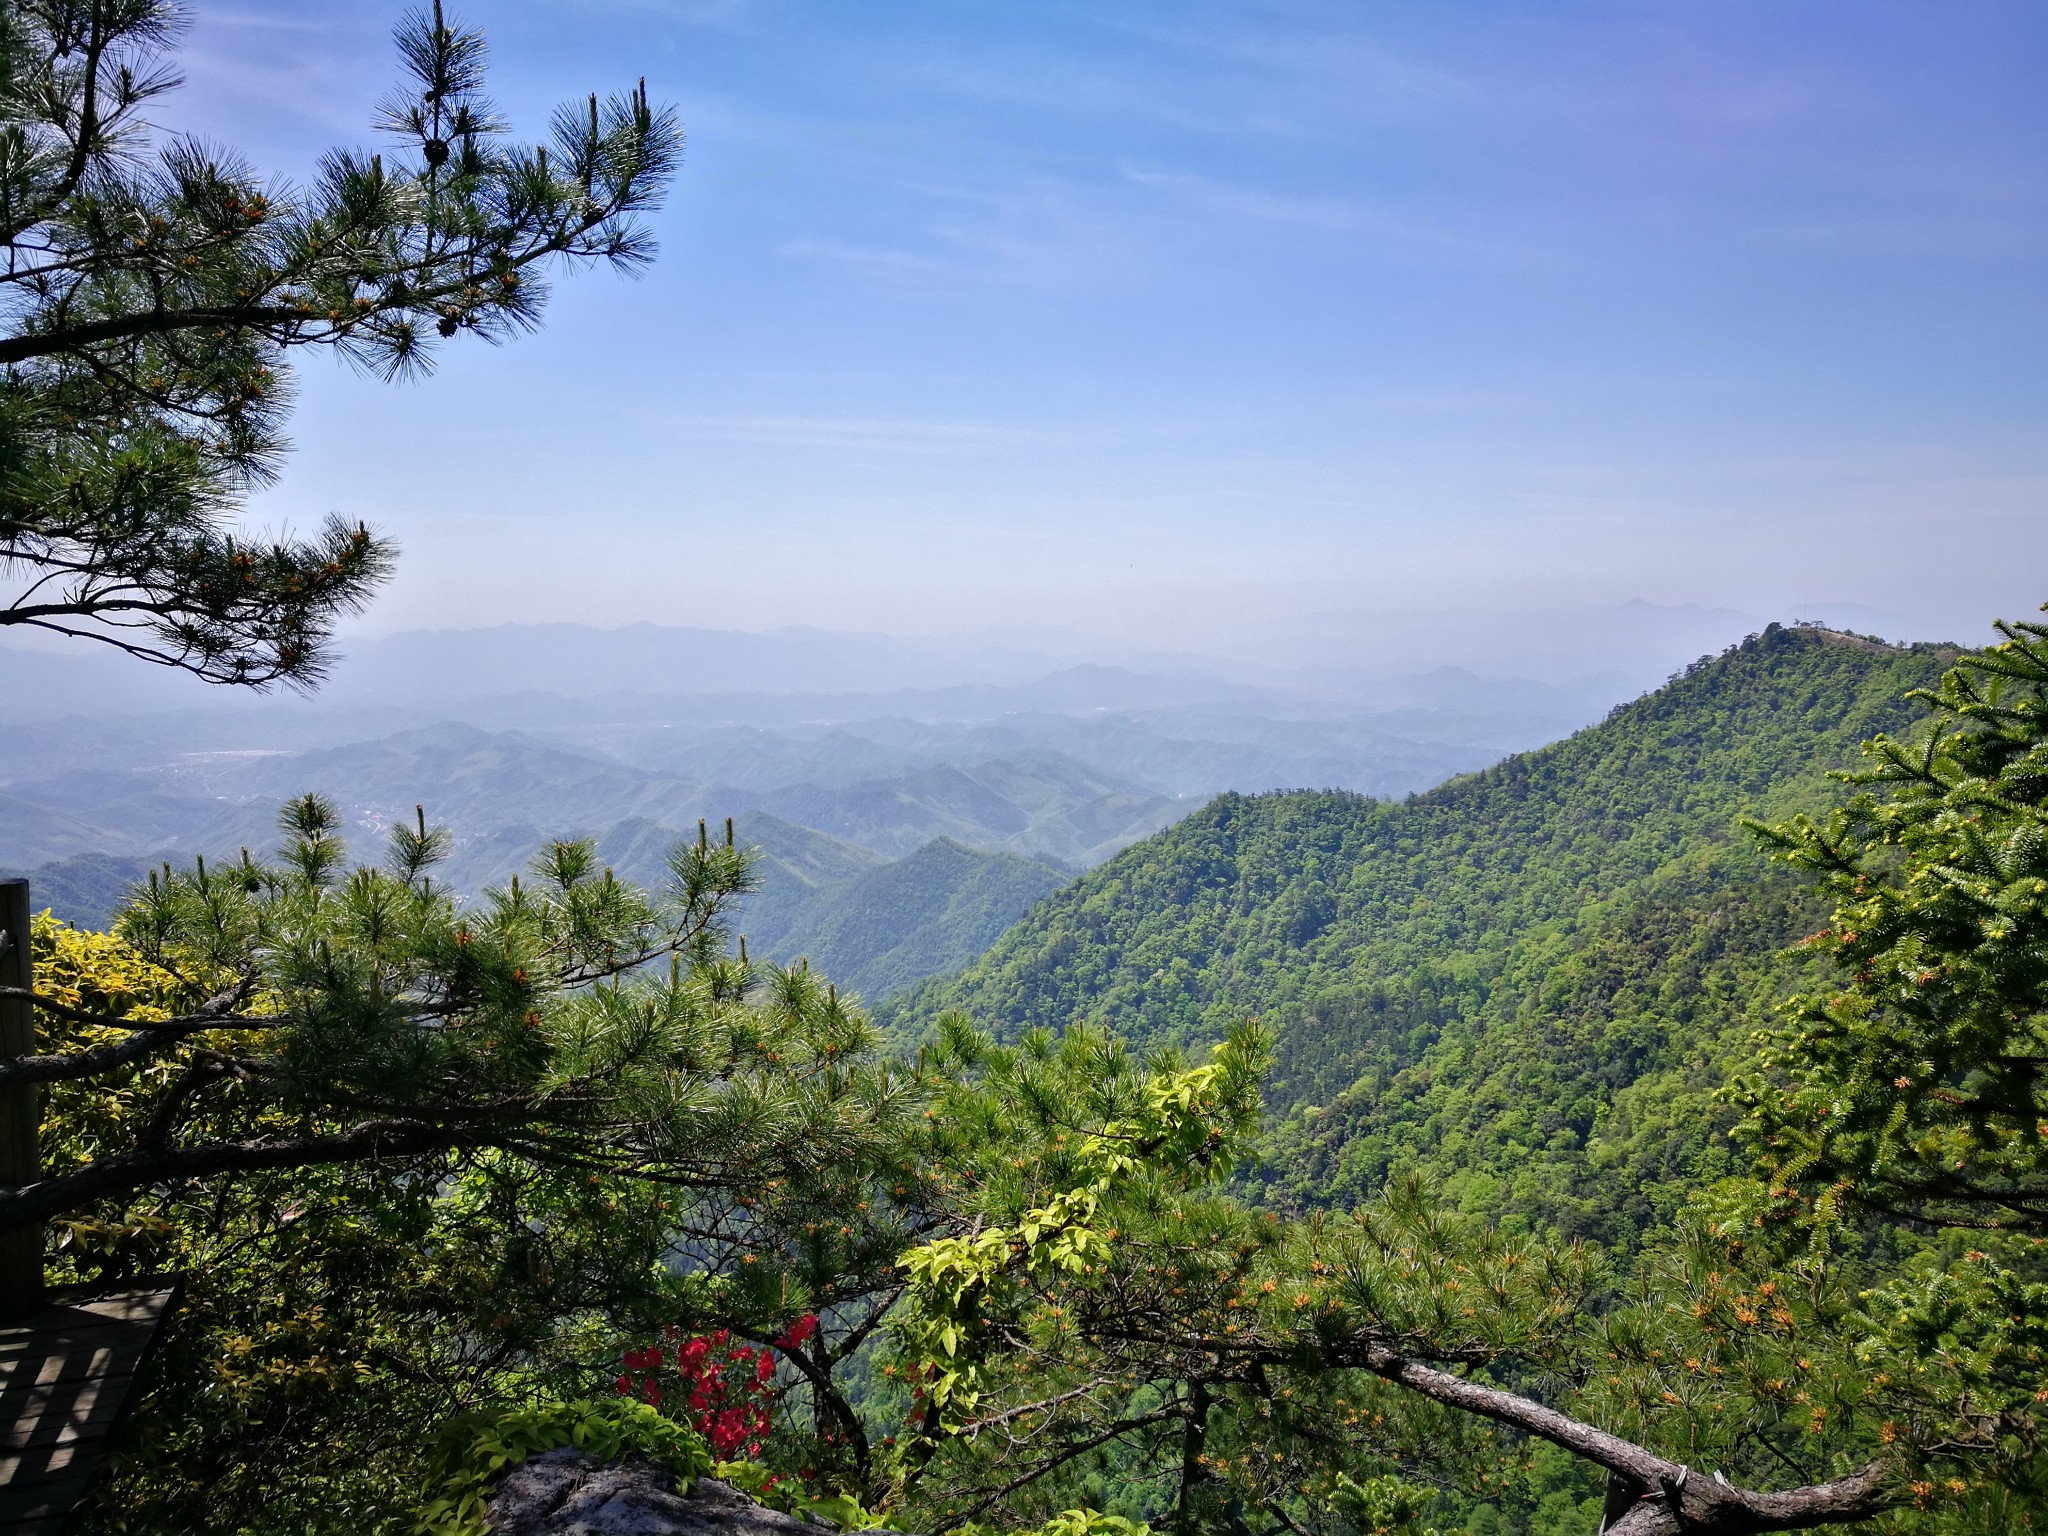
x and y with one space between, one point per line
729 674
910 795
1067 765
503 792
881 862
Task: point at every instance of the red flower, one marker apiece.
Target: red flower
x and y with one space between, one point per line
724 1385
799 1330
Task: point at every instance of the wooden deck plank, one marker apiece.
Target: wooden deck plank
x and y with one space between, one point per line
66 1373
62 1413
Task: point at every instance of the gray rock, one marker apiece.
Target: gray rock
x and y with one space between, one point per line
564 1493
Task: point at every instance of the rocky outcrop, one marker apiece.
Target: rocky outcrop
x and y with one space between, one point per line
564 1493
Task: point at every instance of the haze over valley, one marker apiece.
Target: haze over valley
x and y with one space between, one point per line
910 796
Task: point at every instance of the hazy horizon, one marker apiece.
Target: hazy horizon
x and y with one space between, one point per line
1600 652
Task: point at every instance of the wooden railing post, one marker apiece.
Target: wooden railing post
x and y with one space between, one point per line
21 1251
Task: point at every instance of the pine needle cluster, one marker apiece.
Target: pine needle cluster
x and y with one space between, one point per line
155 287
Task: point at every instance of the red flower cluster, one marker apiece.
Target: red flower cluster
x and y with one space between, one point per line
724 1385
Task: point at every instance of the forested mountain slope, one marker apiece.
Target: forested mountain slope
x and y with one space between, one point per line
919 916
1527 980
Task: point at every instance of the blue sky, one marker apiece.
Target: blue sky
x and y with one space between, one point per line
1171 319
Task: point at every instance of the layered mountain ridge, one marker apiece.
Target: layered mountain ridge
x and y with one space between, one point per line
1528 981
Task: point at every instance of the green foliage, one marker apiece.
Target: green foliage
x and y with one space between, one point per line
1090 1522
923 915
1082 1328
1790 1332
1914 1088
1919 1082
344 1296
476 1448
1141 1308
333 1017
1277 1364
1383 1506
1172 1127
847 1512
155 286
1529 982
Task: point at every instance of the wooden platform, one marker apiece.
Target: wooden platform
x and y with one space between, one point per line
66 1372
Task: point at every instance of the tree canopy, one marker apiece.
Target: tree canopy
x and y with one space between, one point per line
1806 1347
414 1157
1529 982
155 288
1920 1084
308 1014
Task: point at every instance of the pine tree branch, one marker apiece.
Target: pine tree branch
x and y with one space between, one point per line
88 114
124 1172
1611 1452
199 664
214 1013
994 1420
73 338
77 1064
148 1038
164 1118
1671 1500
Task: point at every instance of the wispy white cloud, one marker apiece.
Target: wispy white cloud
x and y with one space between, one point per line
1024 232
1362 224
874 434
319 72
265 21
865 258
1251 202
1291 72
715 15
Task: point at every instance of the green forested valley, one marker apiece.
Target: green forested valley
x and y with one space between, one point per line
1528 981
919 916
871 923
